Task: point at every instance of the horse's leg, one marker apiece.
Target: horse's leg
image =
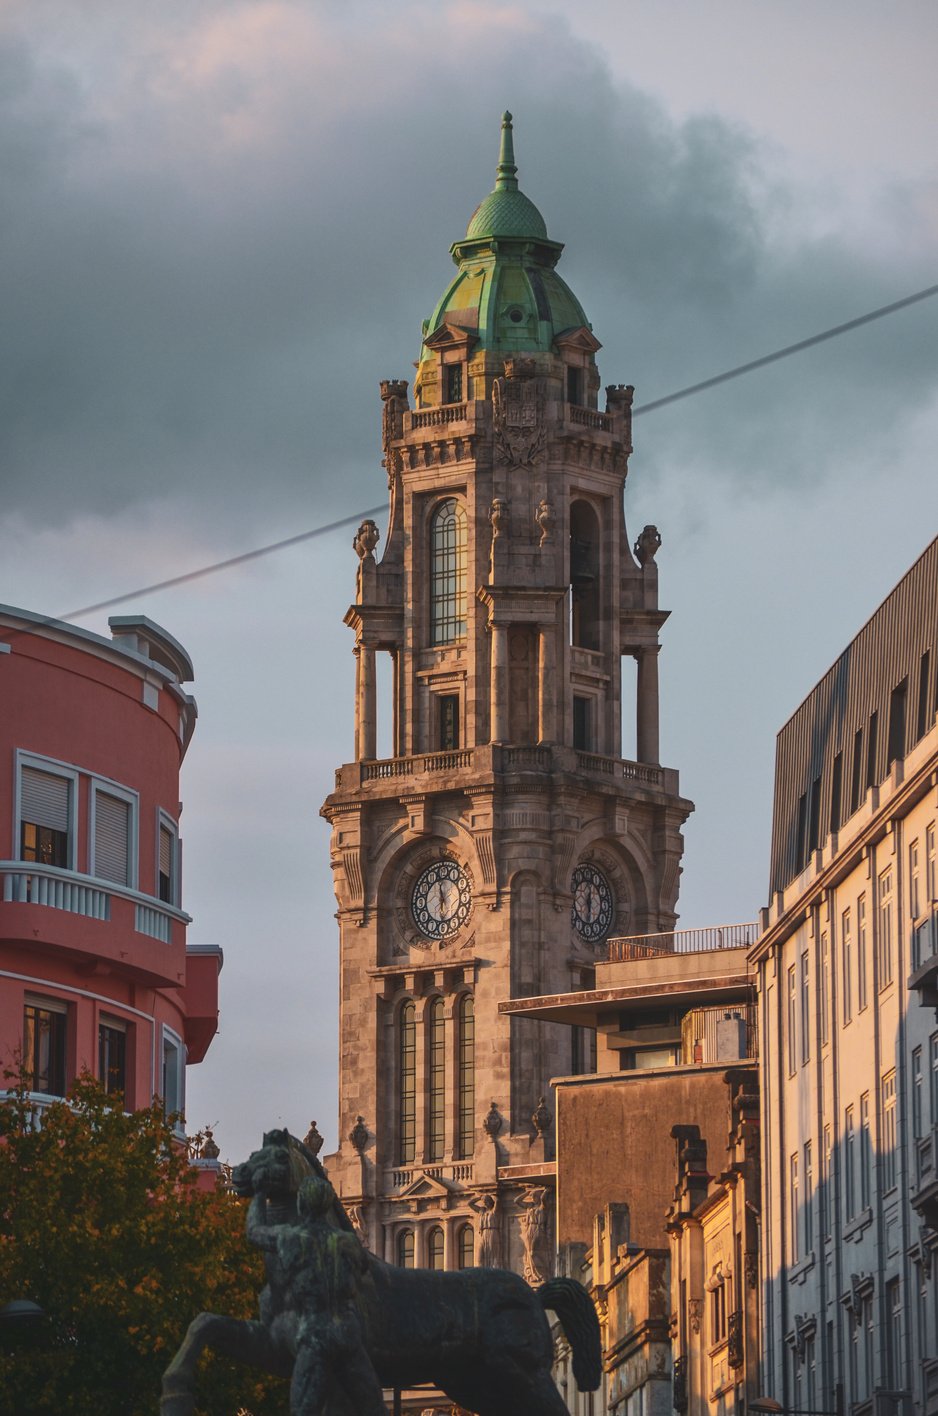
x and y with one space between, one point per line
248 1342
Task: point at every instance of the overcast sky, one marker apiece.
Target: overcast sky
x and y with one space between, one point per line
222 222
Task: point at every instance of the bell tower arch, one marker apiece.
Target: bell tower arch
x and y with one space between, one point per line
506 840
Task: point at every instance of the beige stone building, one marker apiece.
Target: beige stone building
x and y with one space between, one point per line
492 855
847 967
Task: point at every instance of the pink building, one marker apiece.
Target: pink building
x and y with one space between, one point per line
95 971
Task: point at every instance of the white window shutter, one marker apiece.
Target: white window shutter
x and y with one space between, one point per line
44 799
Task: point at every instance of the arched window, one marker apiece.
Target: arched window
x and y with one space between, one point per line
407 1083
466 1079
405 1248
448 573
436 1078
465 1247
435 1248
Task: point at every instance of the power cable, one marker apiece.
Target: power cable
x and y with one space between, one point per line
656 403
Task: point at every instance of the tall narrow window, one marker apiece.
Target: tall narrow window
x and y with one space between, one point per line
801 833
168 883
793 1214
407 1084
405 1248
850 1165
894 1371
931 872
885 931
448 735
856 774
889 1130
792 1020
45 812
933 1080
174 1077
466 1081
112 1056
837 787
808 1206
915 881
448 573
435 1248
454 383
814 820
895 747
436 1079
866 1153
805 1009
846 946
827 1180
582 737
921 723
872 745
917 1093
112 839
465 1247
584 576
574 385
824 986
862 953
44 1023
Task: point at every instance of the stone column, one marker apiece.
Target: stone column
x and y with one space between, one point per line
546 684
647 724
367 723
499 686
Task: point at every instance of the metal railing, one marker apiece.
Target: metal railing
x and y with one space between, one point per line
683 941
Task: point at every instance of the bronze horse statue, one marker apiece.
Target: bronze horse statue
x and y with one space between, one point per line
479 1335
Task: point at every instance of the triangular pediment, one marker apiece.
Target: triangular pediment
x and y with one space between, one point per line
577 338
425 1187
450 336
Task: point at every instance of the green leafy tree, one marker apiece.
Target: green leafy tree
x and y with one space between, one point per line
102 1224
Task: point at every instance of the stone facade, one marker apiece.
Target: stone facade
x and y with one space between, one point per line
506 838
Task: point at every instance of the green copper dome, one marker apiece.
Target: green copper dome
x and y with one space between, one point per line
507 296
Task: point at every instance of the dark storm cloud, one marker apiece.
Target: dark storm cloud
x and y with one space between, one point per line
223 224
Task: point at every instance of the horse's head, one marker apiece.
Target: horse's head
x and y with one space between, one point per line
276 1170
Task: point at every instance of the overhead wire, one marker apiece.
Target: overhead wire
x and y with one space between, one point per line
834 332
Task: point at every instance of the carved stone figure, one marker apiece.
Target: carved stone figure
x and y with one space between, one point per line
490 1231
544 516
534 1235
341 1324
540 1117
498 515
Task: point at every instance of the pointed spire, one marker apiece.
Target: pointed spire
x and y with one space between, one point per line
505 180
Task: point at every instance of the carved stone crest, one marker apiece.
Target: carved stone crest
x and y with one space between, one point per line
517 415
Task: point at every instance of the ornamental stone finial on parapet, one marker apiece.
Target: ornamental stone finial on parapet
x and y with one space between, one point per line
365 539
647 545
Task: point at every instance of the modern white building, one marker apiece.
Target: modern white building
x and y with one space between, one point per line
847 968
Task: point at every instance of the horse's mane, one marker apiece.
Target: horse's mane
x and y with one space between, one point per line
302 1161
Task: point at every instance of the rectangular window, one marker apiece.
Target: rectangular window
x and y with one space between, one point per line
921 723
46 818
582 715
856 775
801 835
872 743
792 1020
805 1009
112 1055
885 932
824 1001
807 1208
448 719
174 1076
931 869
894 1371
574 385
933 1082
889 1130
918 1090
44 1029
836 790
113 854
895 750
850 1165
915 881
846 945
168 864
827 1177
718 1314
814 821
793 1215
862 953
866 1153
867 1344
454 383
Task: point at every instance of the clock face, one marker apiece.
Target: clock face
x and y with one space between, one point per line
593 905
441 899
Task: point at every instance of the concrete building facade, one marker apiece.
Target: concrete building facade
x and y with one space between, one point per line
492 855
847 967
95 969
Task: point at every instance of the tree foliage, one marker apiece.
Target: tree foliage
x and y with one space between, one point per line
102 1224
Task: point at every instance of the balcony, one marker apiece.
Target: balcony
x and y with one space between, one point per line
492 759
52 908
682 941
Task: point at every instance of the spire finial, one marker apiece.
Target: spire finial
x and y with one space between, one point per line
506 181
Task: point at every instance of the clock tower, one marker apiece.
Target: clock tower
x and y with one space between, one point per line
506 838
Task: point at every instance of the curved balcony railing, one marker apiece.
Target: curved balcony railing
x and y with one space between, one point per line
30 883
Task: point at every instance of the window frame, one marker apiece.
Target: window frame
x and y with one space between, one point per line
164 822
52 767
171 1042
103 786
448 572
119 1027
58 1009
